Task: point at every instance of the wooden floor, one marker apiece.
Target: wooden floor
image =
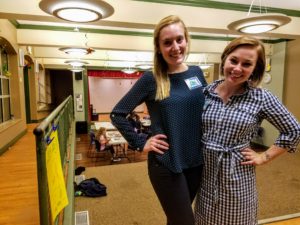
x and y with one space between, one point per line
18 185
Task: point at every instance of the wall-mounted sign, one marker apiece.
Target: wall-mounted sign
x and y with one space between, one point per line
79 103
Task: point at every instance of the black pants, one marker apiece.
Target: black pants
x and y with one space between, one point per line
175 191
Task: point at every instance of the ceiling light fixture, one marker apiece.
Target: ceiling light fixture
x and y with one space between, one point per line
129 70
259 24
76 69
77 51
144 66
76 63
205 66
203 62
77 10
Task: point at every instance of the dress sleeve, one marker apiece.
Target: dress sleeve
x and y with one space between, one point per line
278 115
136 95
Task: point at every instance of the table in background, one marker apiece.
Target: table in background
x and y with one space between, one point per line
107 125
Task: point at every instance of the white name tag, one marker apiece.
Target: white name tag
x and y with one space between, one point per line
193 83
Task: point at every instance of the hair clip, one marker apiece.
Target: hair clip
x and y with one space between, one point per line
54 128
49 140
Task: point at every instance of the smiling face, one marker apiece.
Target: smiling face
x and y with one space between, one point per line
240 64
245 60
173 45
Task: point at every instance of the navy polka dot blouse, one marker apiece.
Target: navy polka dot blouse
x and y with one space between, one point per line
178 117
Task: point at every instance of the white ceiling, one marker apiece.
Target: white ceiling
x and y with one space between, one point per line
125 38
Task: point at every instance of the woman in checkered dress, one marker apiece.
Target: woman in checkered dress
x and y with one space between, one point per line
233 112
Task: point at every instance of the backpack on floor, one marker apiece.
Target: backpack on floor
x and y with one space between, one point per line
91 188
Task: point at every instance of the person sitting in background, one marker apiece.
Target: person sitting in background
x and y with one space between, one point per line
134 120
101 143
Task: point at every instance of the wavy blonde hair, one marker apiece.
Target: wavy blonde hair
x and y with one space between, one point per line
160 68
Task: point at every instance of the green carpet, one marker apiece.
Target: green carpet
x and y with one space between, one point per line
130 198
279 186
132 201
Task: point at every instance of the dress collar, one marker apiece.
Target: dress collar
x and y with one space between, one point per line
212 87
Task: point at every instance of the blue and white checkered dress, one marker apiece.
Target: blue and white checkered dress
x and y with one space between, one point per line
228 194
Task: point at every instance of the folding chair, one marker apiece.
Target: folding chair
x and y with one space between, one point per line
92 143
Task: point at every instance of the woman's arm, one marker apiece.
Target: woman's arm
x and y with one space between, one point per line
286 123
253 158
138 94
289 132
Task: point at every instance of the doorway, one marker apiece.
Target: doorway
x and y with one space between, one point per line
61 85
27 94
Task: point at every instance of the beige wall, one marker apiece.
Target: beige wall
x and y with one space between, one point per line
12 129
291 95
209 74
292 79
276 87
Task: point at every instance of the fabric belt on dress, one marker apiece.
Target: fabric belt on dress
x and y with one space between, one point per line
234 154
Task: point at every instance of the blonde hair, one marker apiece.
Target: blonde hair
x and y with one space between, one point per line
160 68
101 131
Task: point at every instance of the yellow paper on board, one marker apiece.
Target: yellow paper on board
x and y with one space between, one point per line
56 184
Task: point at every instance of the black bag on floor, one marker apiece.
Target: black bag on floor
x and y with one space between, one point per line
91 188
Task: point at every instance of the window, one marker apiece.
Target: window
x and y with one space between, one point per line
5 106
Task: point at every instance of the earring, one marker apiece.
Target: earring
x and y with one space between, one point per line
251 76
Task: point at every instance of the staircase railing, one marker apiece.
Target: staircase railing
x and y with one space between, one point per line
61 118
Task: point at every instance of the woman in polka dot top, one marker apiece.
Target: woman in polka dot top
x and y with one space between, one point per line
174 98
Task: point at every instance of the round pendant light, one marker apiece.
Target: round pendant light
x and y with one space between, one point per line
144 66
76 63
205 66
128 70
76 69
259 24
77 51
80 11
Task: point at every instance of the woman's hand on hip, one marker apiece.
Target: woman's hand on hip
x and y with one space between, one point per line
157 144
252 158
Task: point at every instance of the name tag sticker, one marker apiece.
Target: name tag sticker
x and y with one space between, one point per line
193 83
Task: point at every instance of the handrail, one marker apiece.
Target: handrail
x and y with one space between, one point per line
63 118
39 130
